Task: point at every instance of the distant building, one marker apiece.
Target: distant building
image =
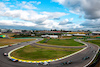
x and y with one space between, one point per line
96 33
4 30
66 34
16 31
32 34
76 33
51 36
31 30
43 32
79 34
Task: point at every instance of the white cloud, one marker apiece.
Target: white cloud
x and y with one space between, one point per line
16 23
71 19
26 5
50 24
90 8
29 7
2 5
52 15
3 8
47 24
60 1
38 3
12 6
33 19
30 15
41 19
23 2
74 12
35 2
91 23
64 22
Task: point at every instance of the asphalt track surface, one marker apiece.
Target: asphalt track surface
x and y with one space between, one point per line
76 59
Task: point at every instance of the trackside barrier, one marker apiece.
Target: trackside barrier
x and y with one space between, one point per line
92 58
95 62
51 60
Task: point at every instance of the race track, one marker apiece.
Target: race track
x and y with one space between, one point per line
76 59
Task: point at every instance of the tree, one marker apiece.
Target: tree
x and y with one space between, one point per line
61 30
24 30
54 30
9 30
88 30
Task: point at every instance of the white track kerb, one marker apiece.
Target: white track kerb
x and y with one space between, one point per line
51 60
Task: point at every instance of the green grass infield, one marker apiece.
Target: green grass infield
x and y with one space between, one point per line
36 54
61 42
97 42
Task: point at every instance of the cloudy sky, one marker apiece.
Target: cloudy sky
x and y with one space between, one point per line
50 14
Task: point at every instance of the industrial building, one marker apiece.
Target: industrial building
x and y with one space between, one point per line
51 36
96 33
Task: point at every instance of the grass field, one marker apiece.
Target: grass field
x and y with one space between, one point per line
12 41
66 42
33 53
95 42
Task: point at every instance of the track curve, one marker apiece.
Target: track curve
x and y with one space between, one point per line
76 59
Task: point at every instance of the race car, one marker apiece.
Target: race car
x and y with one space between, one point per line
46 63
67 62
9 45
5 54
85 58
14 60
